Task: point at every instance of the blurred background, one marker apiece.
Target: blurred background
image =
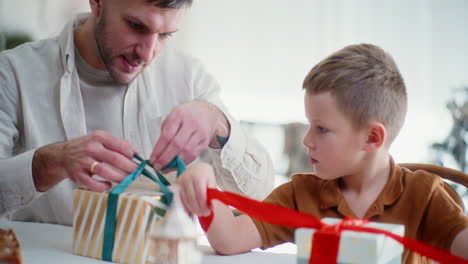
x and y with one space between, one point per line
261 50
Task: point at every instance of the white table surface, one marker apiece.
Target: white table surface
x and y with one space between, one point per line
47 243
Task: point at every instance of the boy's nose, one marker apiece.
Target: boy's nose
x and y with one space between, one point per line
307 141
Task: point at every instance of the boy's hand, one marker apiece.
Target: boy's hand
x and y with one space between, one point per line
241 230
194 183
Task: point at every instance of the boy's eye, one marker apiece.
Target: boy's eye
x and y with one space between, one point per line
321 129
135 26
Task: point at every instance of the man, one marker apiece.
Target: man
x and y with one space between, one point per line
96 90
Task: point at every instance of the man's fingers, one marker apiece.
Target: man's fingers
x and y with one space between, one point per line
108 173
176 145
116 160
169 130
92 184
192 148
114 143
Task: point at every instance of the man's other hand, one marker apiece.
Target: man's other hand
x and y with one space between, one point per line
187 131
98 153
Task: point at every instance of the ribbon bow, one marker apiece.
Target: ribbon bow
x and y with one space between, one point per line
113 198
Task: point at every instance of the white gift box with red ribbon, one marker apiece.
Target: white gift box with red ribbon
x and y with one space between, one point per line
356 247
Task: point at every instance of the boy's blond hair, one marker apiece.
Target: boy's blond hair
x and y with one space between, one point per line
367 85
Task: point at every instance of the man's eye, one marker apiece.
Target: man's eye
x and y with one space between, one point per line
135 26
165 35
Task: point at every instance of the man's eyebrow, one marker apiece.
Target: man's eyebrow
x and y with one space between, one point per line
138 21
172 32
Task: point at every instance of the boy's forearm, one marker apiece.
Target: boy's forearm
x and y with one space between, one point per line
232 235
460 244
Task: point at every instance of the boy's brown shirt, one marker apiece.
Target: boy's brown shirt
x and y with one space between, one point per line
417 200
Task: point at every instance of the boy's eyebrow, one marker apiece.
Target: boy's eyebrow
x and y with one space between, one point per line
317 121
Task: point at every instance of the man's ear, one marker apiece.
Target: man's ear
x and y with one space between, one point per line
96 7
376 137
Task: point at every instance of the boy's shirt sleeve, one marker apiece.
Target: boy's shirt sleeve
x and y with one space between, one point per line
273 235
444 219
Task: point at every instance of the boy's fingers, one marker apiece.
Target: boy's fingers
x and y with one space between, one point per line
183 199
200 190
190 198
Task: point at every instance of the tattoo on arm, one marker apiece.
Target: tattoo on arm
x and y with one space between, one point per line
222 140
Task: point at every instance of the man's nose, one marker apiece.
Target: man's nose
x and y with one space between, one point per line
148 47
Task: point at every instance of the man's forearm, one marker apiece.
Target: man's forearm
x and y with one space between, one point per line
45 173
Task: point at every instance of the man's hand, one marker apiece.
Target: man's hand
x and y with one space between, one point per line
193 185
76 158
187 131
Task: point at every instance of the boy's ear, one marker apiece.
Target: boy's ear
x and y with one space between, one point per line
376 136
96 7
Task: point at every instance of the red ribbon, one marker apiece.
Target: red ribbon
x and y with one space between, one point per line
328 234
326 241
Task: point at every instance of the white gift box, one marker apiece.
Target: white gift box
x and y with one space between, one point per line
356 247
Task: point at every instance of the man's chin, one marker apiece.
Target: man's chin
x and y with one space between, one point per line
125 78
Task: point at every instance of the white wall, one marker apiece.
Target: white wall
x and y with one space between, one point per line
40 18
261 50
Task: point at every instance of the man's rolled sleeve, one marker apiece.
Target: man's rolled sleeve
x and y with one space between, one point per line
16 184
243 165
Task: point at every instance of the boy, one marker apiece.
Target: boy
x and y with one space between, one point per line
355 102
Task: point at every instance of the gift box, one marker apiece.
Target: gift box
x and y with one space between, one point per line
135 220
356 247
117 226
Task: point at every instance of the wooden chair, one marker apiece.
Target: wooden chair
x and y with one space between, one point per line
446 173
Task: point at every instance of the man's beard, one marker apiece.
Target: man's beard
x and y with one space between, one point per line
100 35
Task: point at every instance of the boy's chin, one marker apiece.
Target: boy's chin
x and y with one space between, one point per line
325 176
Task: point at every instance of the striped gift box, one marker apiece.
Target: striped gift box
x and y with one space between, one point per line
136 220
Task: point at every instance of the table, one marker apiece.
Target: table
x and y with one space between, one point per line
48 243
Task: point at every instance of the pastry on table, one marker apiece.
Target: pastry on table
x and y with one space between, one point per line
10 251
176 236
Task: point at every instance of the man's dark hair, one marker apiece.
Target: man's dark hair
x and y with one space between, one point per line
173 4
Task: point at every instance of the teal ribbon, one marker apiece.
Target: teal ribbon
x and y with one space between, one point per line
113 198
